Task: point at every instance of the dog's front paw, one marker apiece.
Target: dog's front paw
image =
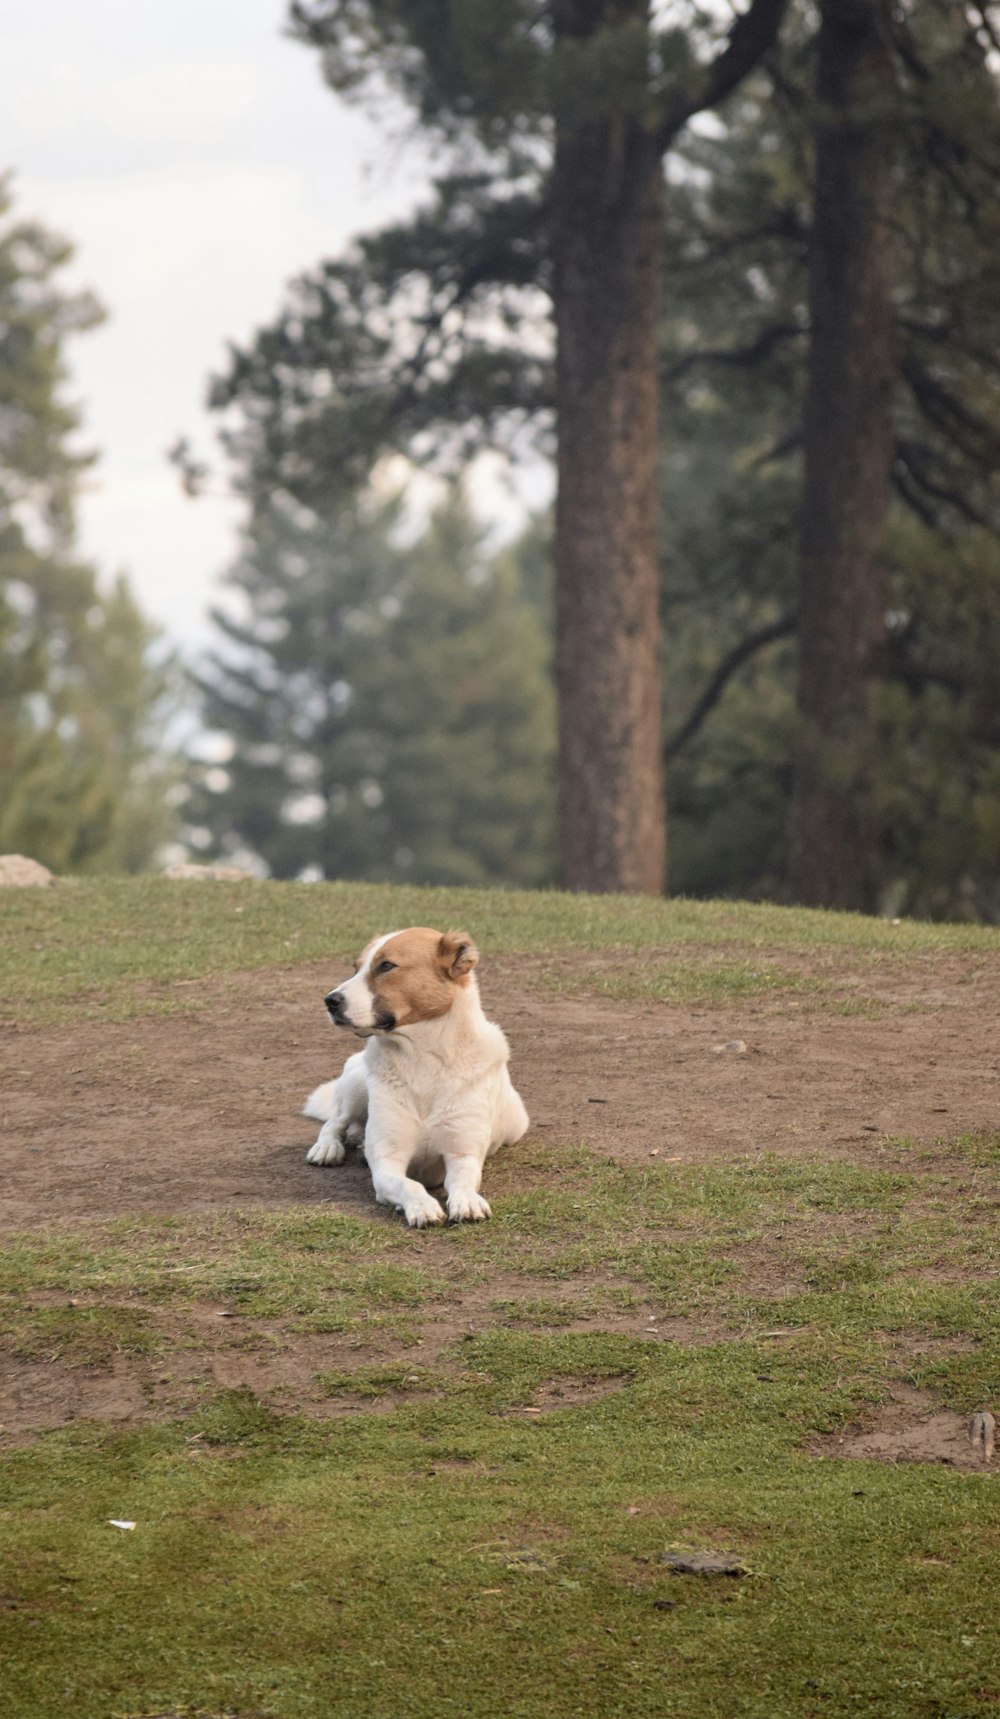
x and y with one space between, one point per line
421 1212
463 1205
329 1147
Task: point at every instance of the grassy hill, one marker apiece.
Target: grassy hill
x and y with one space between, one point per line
386 1474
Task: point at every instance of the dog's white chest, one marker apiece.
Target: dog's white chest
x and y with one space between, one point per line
421 1085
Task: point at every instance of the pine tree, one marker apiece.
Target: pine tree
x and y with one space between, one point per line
738 344
556 120
848 448
84 788
387 703
432 336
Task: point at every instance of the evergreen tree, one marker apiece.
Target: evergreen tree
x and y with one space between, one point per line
848 447
432 336
388 704
737 345
83 788
555 120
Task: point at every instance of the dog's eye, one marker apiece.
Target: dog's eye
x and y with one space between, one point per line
385 967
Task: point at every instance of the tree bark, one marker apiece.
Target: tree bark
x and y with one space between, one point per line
607 238
848 441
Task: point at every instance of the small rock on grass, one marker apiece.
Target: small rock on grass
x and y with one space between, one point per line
17 869
705 1564
735 1047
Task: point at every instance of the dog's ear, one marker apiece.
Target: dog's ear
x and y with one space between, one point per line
457 954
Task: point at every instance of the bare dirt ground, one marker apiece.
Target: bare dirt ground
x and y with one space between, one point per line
198 1112
909 1427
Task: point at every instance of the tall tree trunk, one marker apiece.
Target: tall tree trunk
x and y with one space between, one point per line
607 201
848 452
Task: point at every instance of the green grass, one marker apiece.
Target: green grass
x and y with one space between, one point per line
981 1149
113 949
384 1379
627 1360
706 983
831 1244
77 1336
543 1310
295 1567
664 1230
450 1558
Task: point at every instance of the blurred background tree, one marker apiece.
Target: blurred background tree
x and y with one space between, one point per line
545 229
923 780
826 473
387 701
434 337
84 777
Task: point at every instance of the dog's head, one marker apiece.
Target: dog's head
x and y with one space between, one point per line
403 978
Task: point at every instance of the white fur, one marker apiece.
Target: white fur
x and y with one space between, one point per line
359 1002
319 1104
431 1102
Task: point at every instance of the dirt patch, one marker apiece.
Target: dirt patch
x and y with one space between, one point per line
568 1394
199 1112
36 1396
203 1349
909 1428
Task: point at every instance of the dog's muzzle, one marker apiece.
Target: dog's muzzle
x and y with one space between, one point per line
336 1008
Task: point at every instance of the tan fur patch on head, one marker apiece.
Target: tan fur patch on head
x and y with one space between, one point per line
458 953
415 974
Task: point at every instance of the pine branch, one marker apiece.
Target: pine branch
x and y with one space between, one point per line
741 357
784 224
975 436
951 338
789 443
916 680
913 498
916 462
754 32
479 270
741 653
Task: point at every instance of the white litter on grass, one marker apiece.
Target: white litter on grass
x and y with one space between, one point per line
113 1522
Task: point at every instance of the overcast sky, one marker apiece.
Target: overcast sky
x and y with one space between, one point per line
197 160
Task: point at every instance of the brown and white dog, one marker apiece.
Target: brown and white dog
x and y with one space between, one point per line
430 1094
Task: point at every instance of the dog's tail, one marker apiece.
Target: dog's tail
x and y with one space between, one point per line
319 1104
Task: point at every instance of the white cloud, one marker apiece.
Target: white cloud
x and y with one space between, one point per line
172 548
201 97
192 258
193 155
194 185
184 258
133 105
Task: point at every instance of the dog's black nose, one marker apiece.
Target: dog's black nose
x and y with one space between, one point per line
335 1003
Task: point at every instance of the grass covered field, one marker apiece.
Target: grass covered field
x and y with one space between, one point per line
385 1473
116 948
